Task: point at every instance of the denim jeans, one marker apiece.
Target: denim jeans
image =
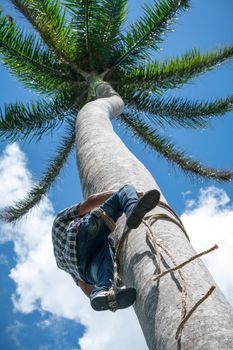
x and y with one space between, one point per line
94 251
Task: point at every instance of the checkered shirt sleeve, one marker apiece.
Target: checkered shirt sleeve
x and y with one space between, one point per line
64 233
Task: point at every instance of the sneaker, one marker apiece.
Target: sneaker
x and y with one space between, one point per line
146 203
113 300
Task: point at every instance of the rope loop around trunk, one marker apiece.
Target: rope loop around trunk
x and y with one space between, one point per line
158 247
148 221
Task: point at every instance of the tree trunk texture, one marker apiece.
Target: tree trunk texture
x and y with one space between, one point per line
105 163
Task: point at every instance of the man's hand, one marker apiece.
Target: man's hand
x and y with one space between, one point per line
140 194
86 288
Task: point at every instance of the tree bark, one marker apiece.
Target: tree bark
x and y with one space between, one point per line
104 164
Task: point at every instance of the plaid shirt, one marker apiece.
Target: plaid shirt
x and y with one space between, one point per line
64 233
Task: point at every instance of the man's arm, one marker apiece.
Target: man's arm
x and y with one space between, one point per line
94 201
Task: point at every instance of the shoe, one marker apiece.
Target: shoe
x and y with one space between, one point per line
113 300
146 203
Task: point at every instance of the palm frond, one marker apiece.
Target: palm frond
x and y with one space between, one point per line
167 149
174 72
176 111
30 61
111 16
85 24
48 17
33 120
22 207
146 33
96 25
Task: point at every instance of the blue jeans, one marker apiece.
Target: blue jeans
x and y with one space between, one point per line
94 251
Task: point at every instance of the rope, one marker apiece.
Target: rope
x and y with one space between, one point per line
110 223
199 302
148 221
152 239
149 218
185 262
119 248
178 222
182 282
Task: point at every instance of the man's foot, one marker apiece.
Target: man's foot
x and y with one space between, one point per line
113 300
146 203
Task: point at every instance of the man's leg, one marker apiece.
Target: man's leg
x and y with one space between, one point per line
101 269
126 201
96 267
91 238
121 202
101 273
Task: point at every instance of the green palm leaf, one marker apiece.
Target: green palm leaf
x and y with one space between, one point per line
37 193
48 17
97 25
149 30
30 61
84 21
111 15
21 121
173 72
167 149
176 111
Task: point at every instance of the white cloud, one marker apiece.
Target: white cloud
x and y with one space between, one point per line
40 285
208 220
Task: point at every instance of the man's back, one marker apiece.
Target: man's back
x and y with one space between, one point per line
64 235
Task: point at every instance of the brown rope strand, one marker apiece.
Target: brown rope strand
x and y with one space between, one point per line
183 283
165 217
119 247
185 262
154 243
185 319
168 253
166 206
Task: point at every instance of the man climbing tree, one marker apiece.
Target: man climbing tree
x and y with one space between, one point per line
82 248
83 43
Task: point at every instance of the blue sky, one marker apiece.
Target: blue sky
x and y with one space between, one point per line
46 325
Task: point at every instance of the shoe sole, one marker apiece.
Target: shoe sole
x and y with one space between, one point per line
124 298
143 206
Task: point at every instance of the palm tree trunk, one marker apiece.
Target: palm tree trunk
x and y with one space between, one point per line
105 163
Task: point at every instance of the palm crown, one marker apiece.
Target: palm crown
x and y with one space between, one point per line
81 43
